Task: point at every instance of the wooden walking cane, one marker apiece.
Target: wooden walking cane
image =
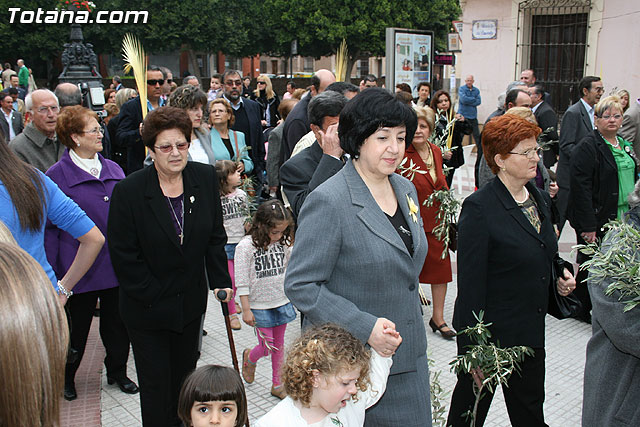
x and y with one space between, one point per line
221 294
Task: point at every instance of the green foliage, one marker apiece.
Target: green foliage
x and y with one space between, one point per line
616 262
447 215
489 364
438 396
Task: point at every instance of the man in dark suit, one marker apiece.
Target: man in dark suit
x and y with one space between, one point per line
576 124
128 133
302 173
10 121
547 121
248 117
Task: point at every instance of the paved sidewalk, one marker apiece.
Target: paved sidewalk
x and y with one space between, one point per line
565 347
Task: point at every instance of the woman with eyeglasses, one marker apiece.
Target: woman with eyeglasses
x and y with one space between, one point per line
228 144
603 174
165 233
88 179
506 252
268 100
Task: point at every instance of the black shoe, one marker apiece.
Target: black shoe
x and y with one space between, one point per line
125 384
448 334
204 332
70 392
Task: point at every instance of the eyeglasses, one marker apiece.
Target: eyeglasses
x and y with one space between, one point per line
94 131
153 82
598 89
529 153
262 83
168 148
233 83
169 81
44 110
609 117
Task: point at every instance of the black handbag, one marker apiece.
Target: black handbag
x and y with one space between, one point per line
562 307
453 237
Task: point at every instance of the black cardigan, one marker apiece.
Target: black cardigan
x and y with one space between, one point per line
505 267
163 284
593 184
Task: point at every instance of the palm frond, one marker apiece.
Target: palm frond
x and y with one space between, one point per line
135 59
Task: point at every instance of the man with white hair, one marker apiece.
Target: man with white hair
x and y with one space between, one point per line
37 144
23 75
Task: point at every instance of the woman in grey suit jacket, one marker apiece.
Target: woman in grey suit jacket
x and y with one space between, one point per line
359 250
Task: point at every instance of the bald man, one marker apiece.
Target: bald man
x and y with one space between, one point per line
297 124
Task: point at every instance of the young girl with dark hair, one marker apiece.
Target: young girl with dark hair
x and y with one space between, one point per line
235 208
260 264
213 395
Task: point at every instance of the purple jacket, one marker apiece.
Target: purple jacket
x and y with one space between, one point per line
93 195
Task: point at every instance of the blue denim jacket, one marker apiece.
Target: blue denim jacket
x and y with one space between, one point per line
469 100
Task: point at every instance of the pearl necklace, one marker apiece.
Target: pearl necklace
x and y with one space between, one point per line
526 196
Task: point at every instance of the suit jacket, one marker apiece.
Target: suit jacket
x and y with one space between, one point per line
547 118
303 173
254 136
504 266
128 134
16 124
576 124
613 355
350 266
630 129
163 284
593 195
273 156
33 147
295 127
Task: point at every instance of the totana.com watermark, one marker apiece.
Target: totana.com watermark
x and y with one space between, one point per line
41 16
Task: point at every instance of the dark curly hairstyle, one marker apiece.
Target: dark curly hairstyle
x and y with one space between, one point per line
371 110
165 118
328 349
210 383
268 215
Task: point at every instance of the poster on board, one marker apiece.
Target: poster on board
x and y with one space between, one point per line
410 59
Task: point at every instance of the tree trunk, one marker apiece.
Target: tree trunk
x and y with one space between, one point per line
192 61
353 57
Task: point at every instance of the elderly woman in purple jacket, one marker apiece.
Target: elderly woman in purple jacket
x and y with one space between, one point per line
88 178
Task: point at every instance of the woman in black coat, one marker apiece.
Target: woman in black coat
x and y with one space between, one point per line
506 248
165 228
268 100
441 104
602 176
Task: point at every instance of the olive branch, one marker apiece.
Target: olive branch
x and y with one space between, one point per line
447 215
489 364
616 260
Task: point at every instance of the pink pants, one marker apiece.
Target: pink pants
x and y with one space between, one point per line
232 302
275 338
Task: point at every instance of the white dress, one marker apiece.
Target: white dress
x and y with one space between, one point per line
352 415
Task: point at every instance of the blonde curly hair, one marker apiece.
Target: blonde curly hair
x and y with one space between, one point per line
329 349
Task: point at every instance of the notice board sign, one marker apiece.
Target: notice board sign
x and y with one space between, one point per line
409 57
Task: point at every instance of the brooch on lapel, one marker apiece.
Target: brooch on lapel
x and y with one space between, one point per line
413 209
191 200
627 149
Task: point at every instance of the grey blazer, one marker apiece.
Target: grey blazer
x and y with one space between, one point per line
350 267
630 129
612 369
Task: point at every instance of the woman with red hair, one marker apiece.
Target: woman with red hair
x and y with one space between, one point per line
506 251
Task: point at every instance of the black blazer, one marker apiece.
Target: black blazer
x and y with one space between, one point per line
163 284
302 173
460 129
576 124
593 196
253 135
504 266
128 134
547 118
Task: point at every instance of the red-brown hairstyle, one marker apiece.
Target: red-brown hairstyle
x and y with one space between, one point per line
72 120
502 134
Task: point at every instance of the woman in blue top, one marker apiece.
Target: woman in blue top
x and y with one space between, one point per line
227 144
27 199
